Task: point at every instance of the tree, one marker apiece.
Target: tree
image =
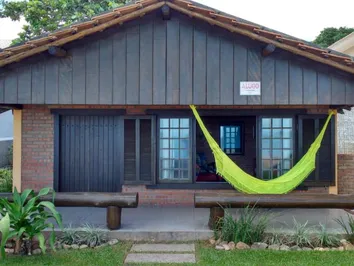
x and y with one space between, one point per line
329 36
43 16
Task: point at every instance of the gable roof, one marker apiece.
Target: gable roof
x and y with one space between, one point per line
129 12
344 44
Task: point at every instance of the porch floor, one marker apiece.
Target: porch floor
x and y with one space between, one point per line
187 223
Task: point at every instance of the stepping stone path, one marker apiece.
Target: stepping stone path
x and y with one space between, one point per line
161 253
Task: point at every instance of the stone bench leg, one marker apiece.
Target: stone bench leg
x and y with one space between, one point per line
114 215
216 213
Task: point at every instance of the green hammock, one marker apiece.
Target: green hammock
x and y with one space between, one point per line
252 185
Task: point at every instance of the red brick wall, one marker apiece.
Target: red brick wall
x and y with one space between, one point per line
345 173
167 197
37 147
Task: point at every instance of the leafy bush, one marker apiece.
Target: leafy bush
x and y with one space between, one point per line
87 234
5 180
301 236
324 239
10 155
29 216
249 227
349 230
5 233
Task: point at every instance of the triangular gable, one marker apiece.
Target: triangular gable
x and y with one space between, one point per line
209 15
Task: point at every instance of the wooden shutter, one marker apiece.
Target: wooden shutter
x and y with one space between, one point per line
309 128
139 152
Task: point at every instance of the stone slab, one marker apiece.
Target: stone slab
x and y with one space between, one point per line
163 248
159 258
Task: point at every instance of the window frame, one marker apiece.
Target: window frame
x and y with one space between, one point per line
242 137
191 178
259 141
137 119
318 182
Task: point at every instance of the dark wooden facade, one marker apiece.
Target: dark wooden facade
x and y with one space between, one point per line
151 61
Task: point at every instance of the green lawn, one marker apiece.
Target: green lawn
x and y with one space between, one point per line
206 256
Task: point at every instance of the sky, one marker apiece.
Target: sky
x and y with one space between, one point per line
303 19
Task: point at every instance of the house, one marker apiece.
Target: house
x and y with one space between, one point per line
103 105
345 121
6 122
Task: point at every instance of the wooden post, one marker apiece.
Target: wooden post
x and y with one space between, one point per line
334 189
114 215
216 213
17 150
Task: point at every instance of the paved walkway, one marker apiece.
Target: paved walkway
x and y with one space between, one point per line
191 219
161 253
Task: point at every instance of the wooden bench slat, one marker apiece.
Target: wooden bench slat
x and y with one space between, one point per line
90 199
209 200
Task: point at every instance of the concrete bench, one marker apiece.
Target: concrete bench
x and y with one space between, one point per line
218 201
114 202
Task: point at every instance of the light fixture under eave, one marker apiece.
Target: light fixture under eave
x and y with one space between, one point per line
166 12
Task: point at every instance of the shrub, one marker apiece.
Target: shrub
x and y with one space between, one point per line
5 180
301 236
10 155
87 234
5 234
349 230
92 236
249 227
70 236
29 217
324 239
276 238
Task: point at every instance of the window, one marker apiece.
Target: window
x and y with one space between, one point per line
276 146
175 149
138 152
231 139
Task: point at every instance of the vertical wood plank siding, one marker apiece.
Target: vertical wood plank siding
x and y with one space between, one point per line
177 61
87 155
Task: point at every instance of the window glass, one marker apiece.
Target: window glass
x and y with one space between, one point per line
231 139
175 149
276 138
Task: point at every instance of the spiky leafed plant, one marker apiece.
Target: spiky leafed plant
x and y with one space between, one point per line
324 239
29 216
349 229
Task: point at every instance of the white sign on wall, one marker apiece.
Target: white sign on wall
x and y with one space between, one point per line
250 88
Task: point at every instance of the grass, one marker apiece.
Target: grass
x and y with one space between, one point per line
206 256
104 256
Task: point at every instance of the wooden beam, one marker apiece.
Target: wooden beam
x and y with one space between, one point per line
101 27
292 200
89 199
17 150
56 51
270 48
260 38
334 189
